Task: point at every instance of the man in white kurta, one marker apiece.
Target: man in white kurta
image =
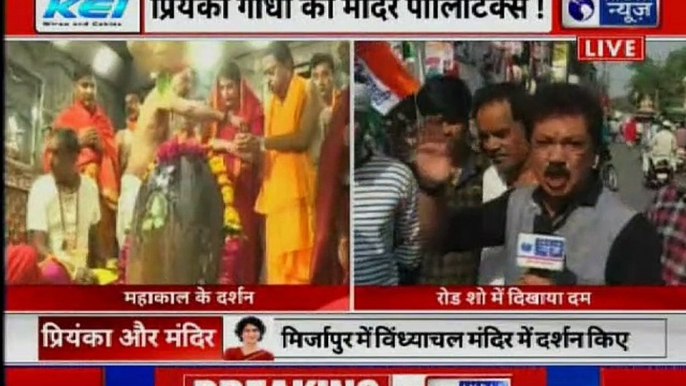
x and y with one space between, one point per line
63 207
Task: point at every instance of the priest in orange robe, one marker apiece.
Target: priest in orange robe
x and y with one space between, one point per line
98 157
286 196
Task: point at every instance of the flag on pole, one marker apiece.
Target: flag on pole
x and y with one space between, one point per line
388 81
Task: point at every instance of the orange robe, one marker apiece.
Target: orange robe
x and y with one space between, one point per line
333 200
103 166
287 192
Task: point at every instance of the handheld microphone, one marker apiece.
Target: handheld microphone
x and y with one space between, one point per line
544 256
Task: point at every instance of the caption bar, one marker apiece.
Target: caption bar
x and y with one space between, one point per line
179 299
455 338
345 338
121 338
345 16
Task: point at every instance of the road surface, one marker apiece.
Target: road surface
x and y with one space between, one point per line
627 161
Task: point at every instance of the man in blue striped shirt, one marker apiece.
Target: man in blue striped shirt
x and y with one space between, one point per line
386 223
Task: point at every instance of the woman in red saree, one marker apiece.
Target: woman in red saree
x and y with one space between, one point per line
250 331
98 157
245 114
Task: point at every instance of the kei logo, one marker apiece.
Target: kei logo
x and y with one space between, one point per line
85 9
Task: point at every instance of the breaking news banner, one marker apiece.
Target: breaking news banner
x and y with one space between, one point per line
347 376
286 376
200 380
409 376
333 380
345 338
355 376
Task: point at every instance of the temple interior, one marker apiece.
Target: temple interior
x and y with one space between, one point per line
39 85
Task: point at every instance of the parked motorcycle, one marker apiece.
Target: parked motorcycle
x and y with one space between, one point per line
608 172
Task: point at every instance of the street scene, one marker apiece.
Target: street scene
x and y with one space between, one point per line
470 156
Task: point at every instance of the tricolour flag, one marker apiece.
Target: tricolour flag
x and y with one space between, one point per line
388 81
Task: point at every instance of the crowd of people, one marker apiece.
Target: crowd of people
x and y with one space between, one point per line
91 204
466 177
657 137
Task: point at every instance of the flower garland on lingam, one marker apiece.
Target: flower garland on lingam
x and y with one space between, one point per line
162 171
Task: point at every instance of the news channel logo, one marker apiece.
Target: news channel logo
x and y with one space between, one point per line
87 16
610 13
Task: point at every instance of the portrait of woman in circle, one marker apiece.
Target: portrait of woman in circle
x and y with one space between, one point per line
250 331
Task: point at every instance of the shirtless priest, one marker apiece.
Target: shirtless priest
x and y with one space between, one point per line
156 114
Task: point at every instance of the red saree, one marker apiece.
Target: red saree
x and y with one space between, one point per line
236 354
332 201
102 167
246 180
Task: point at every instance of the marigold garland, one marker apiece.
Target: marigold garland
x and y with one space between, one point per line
172 150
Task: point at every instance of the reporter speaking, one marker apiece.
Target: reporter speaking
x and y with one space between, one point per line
599 240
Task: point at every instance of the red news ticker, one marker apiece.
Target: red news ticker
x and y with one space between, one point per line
340 376
636 376
525 298
176 298
290 380
611 49
129 338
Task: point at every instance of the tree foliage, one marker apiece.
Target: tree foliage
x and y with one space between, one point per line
665 79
